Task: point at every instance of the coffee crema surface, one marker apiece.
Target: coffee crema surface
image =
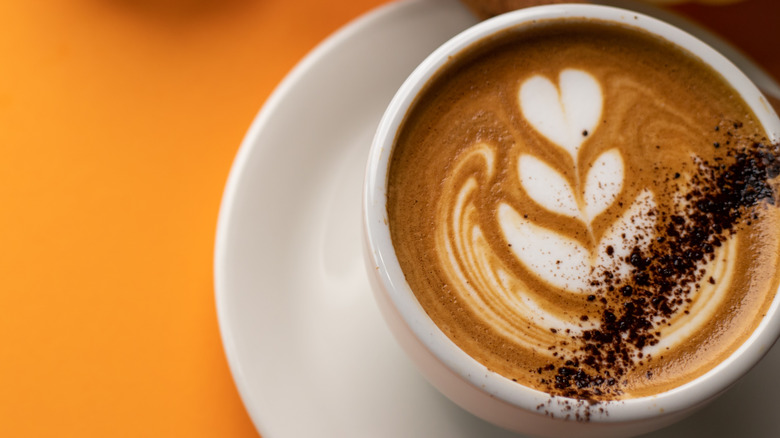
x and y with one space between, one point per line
586 210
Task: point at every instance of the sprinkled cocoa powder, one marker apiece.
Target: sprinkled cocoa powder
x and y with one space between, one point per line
720 197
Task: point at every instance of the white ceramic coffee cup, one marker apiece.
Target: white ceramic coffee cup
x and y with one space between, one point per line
469 383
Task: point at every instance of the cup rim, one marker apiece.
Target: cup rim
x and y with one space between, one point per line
392 279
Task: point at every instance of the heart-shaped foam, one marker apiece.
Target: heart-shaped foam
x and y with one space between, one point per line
566 114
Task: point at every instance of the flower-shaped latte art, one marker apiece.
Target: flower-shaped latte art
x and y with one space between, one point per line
567 114
526 260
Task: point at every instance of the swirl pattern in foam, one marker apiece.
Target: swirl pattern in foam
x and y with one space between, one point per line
545 202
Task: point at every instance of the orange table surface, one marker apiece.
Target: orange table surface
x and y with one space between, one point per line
119 120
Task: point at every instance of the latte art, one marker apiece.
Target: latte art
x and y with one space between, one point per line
547 203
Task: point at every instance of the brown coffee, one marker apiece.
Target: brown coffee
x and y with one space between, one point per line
586 209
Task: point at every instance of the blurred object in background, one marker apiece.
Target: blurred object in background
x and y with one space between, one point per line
749 25
177 8
710 2
485 9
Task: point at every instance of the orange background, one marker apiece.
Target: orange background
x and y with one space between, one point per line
119 120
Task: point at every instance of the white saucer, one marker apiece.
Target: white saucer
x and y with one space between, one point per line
306 345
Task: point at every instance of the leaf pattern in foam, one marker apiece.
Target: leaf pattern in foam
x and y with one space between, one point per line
546 186
557 259
567 264
566 114
603 183
635 227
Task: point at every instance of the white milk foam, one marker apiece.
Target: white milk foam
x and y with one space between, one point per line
567 115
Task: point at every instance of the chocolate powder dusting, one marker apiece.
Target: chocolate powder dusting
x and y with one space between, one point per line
721 196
